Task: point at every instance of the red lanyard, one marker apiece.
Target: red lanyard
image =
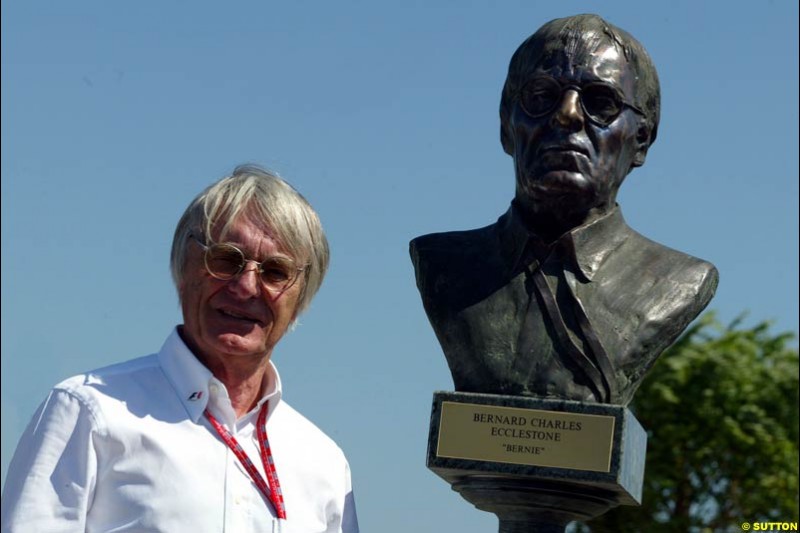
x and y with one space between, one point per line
273 492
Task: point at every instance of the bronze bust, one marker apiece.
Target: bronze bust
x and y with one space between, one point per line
560 298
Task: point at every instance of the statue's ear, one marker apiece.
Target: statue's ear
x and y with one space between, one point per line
642 143
506 137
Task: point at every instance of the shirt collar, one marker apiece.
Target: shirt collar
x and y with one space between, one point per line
586 247
192 381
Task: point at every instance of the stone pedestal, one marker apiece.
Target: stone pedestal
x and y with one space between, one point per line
537 464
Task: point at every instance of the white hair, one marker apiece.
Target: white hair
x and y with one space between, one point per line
267 199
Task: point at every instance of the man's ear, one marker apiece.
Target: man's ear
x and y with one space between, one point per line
642 143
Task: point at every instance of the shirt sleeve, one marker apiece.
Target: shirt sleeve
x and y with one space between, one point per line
349 518
51 479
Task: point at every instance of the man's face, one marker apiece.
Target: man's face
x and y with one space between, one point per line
566 165
237 318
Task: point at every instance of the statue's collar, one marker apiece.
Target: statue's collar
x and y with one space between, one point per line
586 247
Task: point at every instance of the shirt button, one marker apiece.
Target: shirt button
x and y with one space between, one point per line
213 388
238 500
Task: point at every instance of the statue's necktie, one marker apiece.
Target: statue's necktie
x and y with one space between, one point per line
592 361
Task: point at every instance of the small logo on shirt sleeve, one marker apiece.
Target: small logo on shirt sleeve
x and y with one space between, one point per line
195 396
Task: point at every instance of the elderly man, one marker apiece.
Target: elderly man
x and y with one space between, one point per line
560 298
196 437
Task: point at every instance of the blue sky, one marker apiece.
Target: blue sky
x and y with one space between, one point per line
384 115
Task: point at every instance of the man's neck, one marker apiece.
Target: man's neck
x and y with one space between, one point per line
244 386
245 377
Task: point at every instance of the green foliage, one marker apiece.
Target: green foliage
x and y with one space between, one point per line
721 410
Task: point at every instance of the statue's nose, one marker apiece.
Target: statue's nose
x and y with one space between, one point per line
569 114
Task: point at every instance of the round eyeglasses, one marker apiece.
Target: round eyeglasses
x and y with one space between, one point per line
602 103
225 261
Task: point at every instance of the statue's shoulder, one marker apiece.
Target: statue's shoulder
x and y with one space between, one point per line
692 278
451 245
449 263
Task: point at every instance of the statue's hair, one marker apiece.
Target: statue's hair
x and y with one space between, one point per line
578 37
267 200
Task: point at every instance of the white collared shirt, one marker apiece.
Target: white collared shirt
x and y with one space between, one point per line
126 448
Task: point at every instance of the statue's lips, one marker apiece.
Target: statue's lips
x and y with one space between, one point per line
559 170
568 160
568 148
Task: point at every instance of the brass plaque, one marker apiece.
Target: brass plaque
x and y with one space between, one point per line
525 436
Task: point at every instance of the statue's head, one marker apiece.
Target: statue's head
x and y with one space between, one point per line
579 110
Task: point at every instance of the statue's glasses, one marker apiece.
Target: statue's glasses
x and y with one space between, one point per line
602 103
225 261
